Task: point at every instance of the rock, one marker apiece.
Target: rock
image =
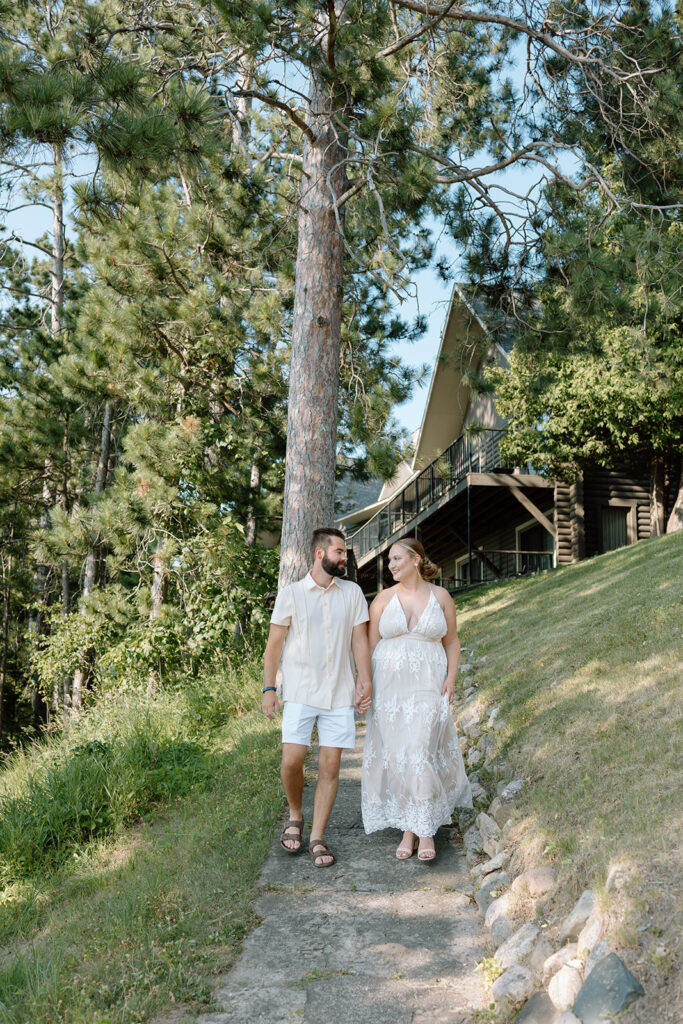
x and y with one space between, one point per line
617 877
517 946
496 863
514 985
563 987
537 1010
486 744
501 930
463 745
498 907
591 932
600 949
471 714
500 786
468 691
478 792
499 812
474 850
490 834
510 791
465 818
567 1018
608 990
494 715
484 896
535 882
539 954
472 730
474 756
559 959
574 922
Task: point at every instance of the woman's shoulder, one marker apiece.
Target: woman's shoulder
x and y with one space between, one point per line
442 595
382 599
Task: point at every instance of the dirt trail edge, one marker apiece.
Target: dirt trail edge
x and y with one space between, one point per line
371 939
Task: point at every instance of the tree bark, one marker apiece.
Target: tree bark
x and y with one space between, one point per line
675 521
657 507
254 486
90 575
57 267
159 584
316 337
6 576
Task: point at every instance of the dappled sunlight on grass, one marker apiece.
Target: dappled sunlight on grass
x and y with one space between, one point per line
156 910
585 664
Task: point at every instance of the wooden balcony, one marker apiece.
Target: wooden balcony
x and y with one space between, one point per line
474 453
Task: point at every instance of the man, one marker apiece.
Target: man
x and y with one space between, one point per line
320 621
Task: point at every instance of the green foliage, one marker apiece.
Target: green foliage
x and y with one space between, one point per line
619 407
126 755
152 924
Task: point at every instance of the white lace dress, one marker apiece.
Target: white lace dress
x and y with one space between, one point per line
413 772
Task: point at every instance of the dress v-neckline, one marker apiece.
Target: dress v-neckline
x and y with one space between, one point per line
419 618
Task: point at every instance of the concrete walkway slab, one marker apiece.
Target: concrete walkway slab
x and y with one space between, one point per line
371 939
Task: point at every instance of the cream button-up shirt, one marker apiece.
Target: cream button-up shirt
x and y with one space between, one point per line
317 664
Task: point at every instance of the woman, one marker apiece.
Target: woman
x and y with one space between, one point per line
413 773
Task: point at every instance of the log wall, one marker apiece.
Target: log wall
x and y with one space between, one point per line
563 522
603 487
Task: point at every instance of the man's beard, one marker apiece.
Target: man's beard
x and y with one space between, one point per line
332 568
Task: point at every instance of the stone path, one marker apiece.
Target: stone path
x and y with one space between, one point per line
371 939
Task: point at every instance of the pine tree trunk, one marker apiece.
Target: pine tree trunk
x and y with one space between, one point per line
159 582
657 508
6 576
90 575
675 521
57 268
316 336
254 486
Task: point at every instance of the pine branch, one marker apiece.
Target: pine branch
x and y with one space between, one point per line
271 101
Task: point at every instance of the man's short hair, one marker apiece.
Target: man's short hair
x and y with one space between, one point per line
322 537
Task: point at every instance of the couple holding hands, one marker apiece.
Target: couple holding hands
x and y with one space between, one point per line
413 774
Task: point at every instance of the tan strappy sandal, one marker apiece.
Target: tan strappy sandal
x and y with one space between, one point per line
406 852
426 855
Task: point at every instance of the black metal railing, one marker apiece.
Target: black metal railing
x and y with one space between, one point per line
488 566
471 453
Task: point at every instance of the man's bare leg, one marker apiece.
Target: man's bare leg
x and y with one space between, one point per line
329 760
292 775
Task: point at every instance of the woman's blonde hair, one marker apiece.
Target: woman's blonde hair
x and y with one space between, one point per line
426 568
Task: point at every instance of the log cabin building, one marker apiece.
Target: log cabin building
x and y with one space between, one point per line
479 519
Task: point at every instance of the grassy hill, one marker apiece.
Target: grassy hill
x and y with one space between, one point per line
119 924
586 665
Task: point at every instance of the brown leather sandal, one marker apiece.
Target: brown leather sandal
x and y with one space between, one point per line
296 837
318 849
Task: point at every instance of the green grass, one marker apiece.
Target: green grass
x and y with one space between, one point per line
586 664
133 924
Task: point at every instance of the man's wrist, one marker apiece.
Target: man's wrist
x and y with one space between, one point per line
267 688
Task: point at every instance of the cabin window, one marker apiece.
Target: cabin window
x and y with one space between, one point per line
462 570
614 526
535 548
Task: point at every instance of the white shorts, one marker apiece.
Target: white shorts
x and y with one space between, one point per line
336 727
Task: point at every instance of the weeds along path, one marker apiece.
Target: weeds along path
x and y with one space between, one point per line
371 939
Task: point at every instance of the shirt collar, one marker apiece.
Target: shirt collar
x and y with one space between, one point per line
310 583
